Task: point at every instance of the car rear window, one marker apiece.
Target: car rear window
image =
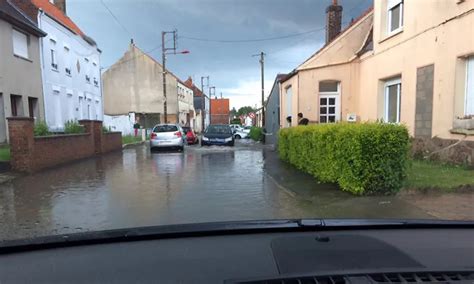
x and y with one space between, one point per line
186 129
220 129
165 128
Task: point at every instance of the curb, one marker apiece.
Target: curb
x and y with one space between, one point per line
133 144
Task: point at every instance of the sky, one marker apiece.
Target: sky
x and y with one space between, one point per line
287 31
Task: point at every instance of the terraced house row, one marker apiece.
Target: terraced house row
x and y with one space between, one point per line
49 68
402 61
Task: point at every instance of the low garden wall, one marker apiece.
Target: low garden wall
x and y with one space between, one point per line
30 153
362 158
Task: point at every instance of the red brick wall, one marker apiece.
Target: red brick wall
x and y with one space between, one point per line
111 141
53 150
29 153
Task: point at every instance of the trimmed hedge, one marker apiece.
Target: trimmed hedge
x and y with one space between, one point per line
256 133
365 158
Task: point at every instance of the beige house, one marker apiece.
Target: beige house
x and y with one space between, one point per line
21 91
408 62
134 84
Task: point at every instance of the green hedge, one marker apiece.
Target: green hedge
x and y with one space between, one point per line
366 158
256 133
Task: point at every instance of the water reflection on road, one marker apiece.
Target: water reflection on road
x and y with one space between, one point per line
136 188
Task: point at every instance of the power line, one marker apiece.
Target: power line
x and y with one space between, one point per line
115 18
253 40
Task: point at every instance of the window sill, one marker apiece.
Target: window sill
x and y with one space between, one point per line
24 58
468 132
55 70
391 35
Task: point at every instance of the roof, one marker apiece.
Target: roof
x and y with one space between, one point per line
55 13
12 14
354 22
189 83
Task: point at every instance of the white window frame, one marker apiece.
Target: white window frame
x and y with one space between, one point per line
398 82
18 48
337 96
469 91
390 5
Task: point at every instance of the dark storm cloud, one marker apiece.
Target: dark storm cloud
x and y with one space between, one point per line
231 66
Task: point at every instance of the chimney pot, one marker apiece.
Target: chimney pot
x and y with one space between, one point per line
333 21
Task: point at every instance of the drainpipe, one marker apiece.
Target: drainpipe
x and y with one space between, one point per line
41 47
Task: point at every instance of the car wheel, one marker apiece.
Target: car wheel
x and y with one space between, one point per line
181 148
237 137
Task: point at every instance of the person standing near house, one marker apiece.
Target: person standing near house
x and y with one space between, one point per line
302 120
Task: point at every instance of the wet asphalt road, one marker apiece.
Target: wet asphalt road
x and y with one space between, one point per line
137 188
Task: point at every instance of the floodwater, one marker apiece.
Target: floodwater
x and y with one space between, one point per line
138 188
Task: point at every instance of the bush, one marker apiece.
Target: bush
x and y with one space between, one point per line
73 127
41 129
235 121
256 133
367 158
105 129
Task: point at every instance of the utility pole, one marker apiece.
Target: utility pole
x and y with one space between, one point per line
203 104
262 74
164 49
210 102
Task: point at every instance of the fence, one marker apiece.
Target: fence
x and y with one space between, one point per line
30 154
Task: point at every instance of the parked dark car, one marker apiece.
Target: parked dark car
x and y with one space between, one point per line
191 137
218 135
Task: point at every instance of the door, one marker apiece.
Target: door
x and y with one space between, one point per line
289 97
328 109
81 106
3 128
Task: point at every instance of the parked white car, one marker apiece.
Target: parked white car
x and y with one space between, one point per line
240 134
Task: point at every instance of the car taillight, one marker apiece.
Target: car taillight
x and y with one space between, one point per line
153 135
178 134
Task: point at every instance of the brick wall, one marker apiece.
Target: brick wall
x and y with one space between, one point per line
111 141
30 154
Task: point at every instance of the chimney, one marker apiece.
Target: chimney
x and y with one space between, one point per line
333 20
61 4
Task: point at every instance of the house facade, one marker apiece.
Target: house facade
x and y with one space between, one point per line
404 62
197 100
220 111
186 105
70 66
20 68
272 112
134 84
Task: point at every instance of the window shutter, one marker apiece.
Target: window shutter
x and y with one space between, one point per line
470 86
20 44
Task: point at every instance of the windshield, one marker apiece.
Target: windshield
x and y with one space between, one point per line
165 128
298 109
218 129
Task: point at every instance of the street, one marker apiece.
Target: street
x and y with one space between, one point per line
204 184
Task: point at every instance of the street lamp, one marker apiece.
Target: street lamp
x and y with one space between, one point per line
164 50
210 102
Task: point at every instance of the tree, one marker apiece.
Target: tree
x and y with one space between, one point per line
245 110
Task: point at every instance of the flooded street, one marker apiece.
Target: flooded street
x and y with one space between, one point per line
136 188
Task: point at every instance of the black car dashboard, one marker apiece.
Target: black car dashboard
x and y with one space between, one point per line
428 255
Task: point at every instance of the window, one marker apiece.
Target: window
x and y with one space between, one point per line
20 44
16 105
33 107
88 79
469 105
395 15
329 101
67 60
392 100
54 64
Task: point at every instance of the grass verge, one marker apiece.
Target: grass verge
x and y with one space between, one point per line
130 139
428 175
5 153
